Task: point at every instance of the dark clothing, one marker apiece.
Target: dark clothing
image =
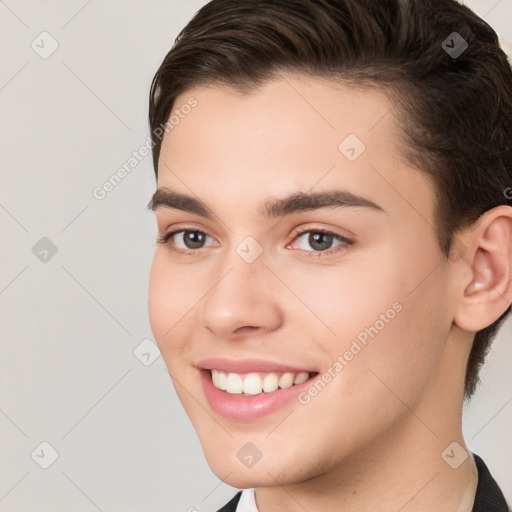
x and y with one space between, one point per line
488 497
231 506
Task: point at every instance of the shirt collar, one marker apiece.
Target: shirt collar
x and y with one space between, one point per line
247 502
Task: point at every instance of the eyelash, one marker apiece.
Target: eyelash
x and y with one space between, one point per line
165 239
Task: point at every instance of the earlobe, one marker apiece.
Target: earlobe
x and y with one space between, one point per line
489 264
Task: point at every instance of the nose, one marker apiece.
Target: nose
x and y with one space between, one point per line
243 298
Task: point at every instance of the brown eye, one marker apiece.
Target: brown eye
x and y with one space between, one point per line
320 241
193 239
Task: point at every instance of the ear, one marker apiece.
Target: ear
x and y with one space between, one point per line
484 291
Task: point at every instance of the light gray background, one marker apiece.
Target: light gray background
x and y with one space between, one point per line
68 327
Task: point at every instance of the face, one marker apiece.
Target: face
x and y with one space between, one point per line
307 247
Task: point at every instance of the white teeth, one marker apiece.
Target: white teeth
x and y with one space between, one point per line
253 384
234 383
301 377
286 380
270 382
219 379
222 381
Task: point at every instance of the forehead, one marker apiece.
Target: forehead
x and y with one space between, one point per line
291 133
285 111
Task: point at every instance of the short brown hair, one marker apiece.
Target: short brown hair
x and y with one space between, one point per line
455 109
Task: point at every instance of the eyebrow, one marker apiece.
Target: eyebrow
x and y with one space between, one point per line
297 202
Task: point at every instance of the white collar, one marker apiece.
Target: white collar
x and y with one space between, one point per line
247 502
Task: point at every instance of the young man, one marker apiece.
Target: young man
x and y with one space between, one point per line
335 249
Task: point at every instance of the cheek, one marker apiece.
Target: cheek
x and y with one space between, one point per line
168 297
157 302
400 357
345 299
387 325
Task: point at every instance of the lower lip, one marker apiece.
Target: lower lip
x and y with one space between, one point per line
248 408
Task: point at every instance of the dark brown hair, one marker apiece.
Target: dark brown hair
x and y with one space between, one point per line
455 109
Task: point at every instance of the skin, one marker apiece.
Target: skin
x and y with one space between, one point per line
372 439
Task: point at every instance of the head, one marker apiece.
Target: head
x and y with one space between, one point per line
382 101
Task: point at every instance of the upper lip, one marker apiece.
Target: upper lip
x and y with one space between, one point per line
247 365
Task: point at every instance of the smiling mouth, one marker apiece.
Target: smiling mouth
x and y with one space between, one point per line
256 383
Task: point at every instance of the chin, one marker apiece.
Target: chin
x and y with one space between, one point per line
246 478
268 471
